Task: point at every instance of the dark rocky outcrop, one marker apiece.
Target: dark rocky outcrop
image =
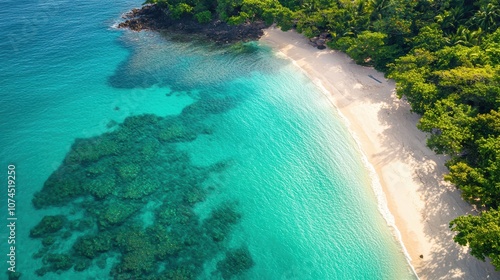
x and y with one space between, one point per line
152 17
320 42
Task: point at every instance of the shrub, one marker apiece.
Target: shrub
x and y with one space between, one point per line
203 17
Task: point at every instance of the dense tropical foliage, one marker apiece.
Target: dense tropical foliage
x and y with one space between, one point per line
445 58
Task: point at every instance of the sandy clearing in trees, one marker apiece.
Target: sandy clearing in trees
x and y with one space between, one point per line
410 173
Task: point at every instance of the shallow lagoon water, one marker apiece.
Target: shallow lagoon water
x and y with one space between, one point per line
292 171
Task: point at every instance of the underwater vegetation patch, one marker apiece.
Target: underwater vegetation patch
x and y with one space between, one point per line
190 64
110 180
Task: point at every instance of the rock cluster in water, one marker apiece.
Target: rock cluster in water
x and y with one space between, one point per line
152 17
115 180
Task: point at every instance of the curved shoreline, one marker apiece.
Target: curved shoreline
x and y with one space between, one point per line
382 203
410 174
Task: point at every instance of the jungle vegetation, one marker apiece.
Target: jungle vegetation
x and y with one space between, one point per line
444 56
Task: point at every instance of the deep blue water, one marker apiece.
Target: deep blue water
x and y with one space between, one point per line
291 171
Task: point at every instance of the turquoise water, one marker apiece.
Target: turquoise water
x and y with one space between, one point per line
291 171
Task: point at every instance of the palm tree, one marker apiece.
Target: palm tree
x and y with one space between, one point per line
487 17
466 37
450 19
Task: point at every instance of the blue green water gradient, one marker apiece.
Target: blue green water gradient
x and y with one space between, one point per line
296 175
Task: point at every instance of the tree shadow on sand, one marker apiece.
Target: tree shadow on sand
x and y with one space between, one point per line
443 202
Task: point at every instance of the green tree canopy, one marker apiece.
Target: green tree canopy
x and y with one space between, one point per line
481 233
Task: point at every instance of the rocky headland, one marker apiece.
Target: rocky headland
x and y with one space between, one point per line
152 17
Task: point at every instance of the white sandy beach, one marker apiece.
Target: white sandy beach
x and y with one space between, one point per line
409 172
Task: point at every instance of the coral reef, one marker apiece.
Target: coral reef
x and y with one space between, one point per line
100 186
13 275
58 190
90 246
218 225
55 263
115 212
109 179
49 224
176 131
235 263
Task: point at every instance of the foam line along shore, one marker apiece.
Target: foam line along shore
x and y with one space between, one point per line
409 172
